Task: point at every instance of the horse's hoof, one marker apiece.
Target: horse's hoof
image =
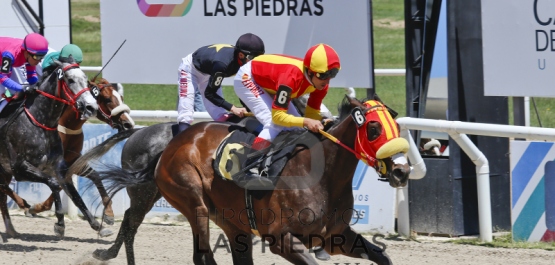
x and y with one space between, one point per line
12 234
59 230
28 213
102 255
104 232
321 254
32 211
109 220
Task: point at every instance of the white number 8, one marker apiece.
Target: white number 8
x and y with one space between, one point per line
218 81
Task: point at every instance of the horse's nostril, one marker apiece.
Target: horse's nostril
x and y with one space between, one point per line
127 125
90 109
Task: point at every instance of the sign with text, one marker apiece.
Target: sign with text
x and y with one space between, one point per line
519 48
159 33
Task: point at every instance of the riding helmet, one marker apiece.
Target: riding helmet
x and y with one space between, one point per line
36 44
250 44
322 59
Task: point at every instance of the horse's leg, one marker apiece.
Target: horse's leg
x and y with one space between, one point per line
73 194
42 206
24 170
194 208
356 246
10 230
291 249
22 203
142 199
240 244
106 200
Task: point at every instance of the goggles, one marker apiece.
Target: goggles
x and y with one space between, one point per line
327 75
37 57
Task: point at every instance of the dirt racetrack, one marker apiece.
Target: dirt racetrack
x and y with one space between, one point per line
171 243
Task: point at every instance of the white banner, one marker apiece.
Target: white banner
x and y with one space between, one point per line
160 33
519 47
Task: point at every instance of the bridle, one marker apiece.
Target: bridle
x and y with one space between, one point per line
122 108
71 97
361 118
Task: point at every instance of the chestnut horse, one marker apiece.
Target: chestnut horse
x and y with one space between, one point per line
318 206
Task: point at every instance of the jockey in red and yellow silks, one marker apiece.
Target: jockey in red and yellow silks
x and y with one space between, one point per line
269 82
272 71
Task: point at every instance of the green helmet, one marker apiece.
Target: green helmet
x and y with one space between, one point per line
73 50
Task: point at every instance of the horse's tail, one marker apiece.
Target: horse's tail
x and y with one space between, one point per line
81 166
116 178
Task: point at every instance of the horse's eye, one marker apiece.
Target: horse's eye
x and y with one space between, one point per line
71 81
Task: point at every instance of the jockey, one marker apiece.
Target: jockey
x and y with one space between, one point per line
268 83
18 52
62 56
205 69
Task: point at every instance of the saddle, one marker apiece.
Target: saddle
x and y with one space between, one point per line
234 156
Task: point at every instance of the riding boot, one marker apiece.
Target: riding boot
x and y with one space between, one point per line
256 179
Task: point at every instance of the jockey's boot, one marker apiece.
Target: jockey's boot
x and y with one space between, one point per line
253 180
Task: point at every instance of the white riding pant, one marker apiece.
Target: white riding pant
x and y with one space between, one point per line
259 102
190 79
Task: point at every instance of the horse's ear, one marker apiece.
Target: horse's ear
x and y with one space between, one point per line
70 59
353 101
376 97
57 62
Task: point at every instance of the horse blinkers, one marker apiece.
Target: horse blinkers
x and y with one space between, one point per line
379 144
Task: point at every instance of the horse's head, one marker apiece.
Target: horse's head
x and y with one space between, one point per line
111 108
73 88
378 143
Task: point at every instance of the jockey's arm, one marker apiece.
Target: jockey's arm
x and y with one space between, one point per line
313 104
5 71
32 76
282 98
214 84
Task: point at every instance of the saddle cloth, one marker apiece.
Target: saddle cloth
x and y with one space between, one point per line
234 152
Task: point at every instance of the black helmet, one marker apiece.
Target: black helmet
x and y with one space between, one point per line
250 44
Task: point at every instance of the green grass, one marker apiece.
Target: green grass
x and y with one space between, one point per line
389 52
506 241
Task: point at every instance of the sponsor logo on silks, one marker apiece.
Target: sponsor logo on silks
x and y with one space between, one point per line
245 77
254 88
164 10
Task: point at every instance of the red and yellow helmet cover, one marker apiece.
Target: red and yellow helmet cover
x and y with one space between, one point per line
321 58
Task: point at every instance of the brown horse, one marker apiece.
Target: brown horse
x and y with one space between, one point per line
311 205
112 111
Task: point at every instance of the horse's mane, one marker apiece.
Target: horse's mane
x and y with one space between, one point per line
345 108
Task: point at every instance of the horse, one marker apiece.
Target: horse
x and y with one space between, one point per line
112 111
185 177
30 147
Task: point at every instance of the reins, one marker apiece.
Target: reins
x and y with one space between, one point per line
67 92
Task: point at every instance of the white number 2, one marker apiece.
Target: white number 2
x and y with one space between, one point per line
5 66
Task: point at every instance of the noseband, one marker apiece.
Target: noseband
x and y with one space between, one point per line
72 97
122 108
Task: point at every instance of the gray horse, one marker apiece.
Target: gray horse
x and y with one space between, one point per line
30 147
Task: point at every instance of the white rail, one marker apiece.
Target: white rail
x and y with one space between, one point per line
457 130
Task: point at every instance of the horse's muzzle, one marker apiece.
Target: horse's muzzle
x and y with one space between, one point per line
87 110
